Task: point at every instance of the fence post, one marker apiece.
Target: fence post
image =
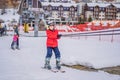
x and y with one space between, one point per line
85 37
100 36
112 35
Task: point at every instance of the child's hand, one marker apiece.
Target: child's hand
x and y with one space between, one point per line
59 36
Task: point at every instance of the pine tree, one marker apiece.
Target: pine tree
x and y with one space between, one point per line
79 20
89 19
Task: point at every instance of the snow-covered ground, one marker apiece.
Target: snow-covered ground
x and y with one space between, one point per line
9 16
26 63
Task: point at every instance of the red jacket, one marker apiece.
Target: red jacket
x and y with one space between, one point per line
52 38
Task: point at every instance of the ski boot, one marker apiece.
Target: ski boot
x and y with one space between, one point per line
12 48
58 65
18 48
47 64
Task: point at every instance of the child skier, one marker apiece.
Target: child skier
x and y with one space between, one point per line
15 41
52 44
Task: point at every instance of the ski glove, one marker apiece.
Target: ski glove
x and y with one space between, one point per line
59 36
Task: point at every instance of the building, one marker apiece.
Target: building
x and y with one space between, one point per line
118 1
113 1
101 11
118 11
59 11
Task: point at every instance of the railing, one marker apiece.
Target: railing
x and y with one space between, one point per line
111 35
101 35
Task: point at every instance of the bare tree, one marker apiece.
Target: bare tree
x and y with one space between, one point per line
3 6
14 4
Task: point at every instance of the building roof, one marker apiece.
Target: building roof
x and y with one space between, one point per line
102 4
58 4
98 4
117 5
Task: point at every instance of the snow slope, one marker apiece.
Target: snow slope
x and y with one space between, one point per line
9 15
26 63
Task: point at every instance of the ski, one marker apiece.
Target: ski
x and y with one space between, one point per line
59 70
52 70
55 70
62 71
13 48
18 48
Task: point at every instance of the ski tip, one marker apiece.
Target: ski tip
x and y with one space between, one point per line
12 49
54 71
62 71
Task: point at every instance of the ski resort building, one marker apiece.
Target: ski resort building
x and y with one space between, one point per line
59 11
102 11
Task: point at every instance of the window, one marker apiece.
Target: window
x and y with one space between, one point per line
53 7
45 7
50 8
91 8
61 9
72 9
65 8
110 6
103 8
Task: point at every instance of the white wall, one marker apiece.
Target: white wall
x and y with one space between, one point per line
118 16
54 14
117 0
102 15
89 13
80 7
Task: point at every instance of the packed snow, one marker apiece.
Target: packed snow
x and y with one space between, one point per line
26 63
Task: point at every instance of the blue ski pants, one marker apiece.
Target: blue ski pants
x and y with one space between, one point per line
56 51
